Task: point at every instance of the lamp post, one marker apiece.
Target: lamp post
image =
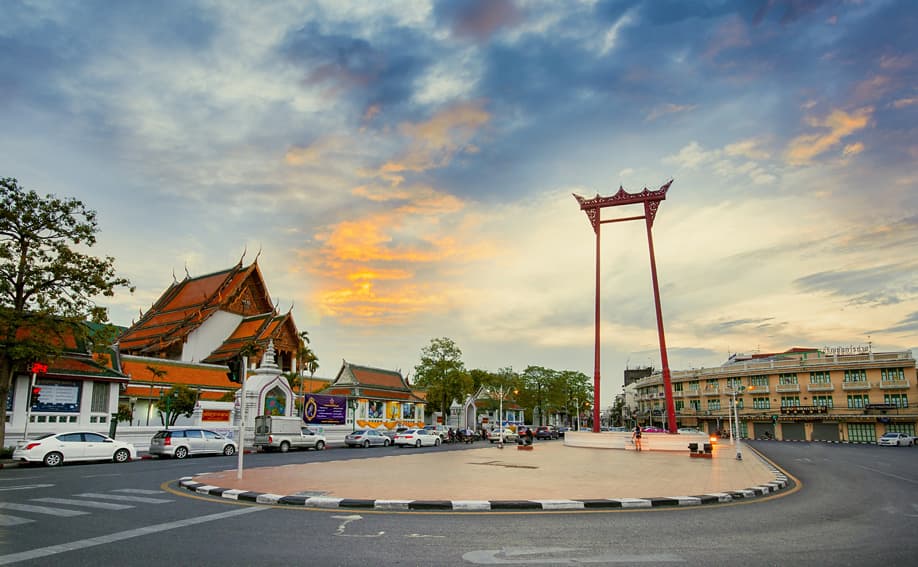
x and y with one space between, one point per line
242 376
352 406
735 421
36 368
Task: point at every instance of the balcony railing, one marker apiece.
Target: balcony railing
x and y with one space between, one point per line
820 387
757 389
677 394
894 384
712 391
787 388
692 393
855 385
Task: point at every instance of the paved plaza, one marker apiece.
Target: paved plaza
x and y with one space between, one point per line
550 470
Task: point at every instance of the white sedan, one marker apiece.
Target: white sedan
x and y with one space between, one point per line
509 436
54 449
417 438
896 439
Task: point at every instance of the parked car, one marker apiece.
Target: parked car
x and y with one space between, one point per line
652 429
284 433
509 436
562 431
546 432
181 443
391 433
365 438
54 449
617 428
690 431
418 438
440 430
896 439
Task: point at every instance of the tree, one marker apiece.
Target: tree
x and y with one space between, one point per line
537 386
48 286
443 374
180 400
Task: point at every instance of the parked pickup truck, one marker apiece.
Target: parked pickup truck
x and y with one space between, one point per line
284 433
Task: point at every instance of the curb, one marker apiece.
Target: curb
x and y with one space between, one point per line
331 503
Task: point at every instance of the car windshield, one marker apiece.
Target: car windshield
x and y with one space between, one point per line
359 432
890 435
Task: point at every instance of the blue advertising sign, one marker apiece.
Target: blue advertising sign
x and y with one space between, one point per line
325 409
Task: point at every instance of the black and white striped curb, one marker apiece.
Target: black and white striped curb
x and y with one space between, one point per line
328 502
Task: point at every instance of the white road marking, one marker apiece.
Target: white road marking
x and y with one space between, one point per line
889 474
13 520
537 555
41 510
25 487
120 498
121 536
349 519
138 491
86 503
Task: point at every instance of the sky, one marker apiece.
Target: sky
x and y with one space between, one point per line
404 170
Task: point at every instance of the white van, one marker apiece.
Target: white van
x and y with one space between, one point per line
285 433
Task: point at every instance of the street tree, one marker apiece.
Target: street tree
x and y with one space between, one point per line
443 374
48 284
180 400
537 385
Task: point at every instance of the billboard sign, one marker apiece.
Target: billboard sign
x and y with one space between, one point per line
330 410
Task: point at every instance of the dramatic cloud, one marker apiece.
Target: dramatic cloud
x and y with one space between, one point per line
837 126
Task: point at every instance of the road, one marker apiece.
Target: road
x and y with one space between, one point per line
854 505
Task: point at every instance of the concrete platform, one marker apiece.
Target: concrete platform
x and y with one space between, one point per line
491 478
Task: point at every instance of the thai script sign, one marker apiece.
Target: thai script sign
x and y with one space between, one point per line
850 349
215 415
325 409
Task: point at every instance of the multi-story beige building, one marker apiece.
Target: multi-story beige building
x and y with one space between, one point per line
843 394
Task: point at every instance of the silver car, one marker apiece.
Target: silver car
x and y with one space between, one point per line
366 437
181 443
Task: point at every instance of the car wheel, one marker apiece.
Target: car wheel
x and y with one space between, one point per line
53 459
121 456
385 443
366 444
181 452
320 445
284 447
229 451
437 442
418 443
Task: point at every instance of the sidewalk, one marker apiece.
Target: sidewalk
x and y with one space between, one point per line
551 472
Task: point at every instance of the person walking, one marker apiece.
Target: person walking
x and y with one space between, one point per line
636 437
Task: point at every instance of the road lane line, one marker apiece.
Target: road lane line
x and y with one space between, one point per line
86 503
121 536
120 498
138 491
25 487
41 510
889 474
6 521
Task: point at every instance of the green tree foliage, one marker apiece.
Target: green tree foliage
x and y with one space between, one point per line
181 400
442 373
48 286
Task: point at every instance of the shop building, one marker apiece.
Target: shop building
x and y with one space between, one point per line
842 395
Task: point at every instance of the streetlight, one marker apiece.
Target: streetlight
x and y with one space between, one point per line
735 421
352 405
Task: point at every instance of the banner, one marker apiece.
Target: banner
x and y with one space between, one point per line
325 409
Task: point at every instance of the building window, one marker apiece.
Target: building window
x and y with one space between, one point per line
761 403
820 378
906 428
734 383
693 386
99 397
695 404
855 375
898 400
858 401
758 380
790 401
739 403
711 384
677 387
787 379
862 432
892 374
713 404
744 430
680 405
823 401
